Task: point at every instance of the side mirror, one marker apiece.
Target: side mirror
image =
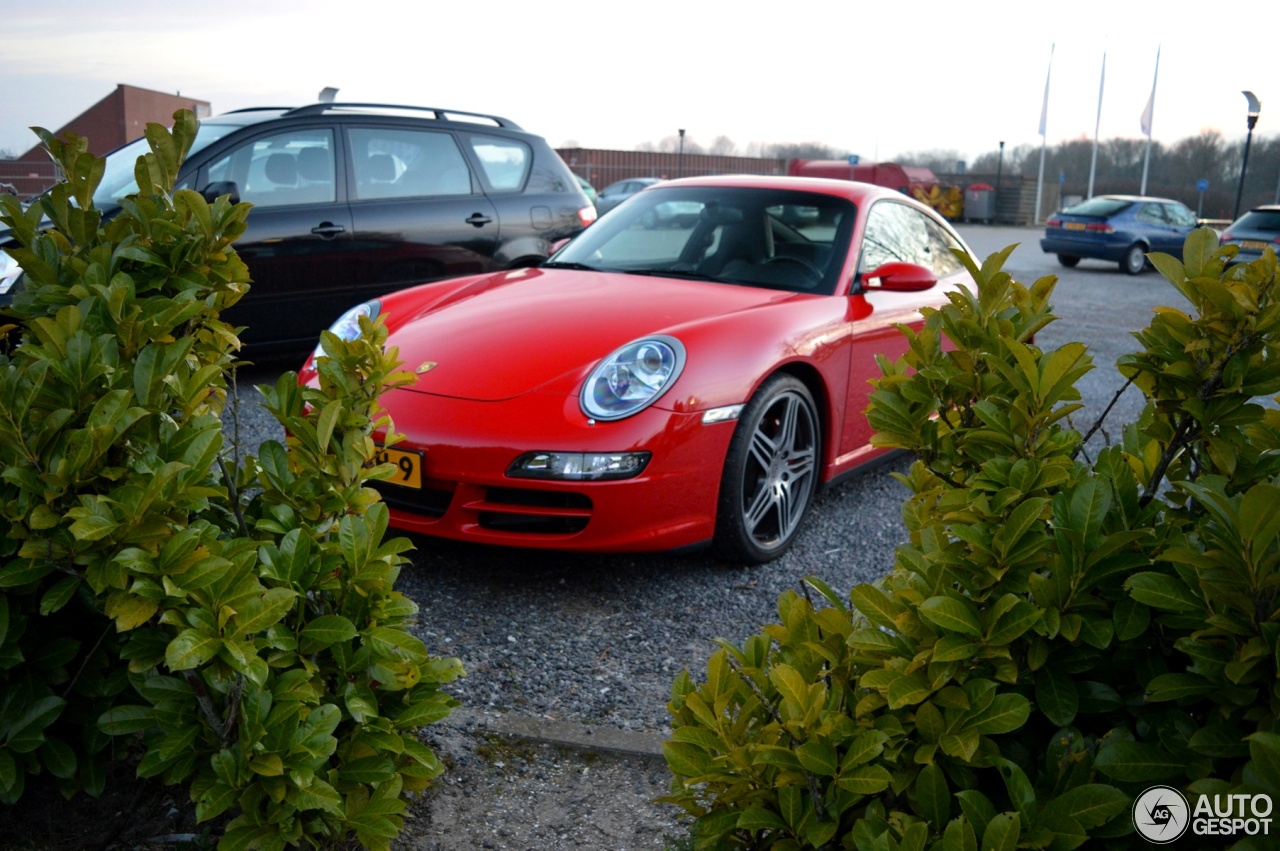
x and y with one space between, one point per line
899 277
557 245
221 187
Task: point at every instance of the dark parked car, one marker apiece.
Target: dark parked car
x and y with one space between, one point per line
352 201
1253 232
615 193
1120 228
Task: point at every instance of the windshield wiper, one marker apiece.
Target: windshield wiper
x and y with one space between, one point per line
581 267
674 273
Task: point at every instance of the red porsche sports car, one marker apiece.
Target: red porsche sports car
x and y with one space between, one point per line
690 369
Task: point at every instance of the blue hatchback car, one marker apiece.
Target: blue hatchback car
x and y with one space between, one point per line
1119 228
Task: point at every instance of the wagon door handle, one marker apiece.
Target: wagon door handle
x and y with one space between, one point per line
327 230
478 219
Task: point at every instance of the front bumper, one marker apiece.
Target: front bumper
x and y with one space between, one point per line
467 447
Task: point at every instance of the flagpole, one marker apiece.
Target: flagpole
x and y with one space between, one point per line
1146 124
1044 115
1093 162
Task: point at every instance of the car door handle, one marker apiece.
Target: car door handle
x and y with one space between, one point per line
327 230
478 219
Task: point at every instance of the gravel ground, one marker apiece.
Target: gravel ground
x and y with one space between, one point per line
598 639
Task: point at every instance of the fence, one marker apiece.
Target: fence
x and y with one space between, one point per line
602 167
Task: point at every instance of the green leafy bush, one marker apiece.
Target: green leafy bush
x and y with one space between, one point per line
231 622
1058 634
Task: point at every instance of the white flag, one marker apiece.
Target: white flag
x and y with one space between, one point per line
1044 110
1151 101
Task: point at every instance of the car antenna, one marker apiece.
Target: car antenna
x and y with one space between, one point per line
327 94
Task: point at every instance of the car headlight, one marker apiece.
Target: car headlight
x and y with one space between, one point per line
348 325
10 271
632 378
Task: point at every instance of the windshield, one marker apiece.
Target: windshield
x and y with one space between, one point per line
780 239
1261 220
117 178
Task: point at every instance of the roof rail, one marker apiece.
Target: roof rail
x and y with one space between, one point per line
440 114
258 109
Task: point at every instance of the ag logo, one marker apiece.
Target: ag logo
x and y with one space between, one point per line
1161 814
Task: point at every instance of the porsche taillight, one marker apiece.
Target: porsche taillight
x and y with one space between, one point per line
587 215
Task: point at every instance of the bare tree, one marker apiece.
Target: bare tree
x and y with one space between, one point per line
1011 163
804 150
723 146
937 161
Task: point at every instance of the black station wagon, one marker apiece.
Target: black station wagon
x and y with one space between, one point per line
353 200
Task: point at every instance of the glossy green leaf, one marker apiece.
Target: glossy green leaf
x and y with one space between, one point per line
1057 696
190 649
952 615
1092 804
1139 762
933 796
1162 591
329 629
818 757
123 720
1006 713
865 780
1002 833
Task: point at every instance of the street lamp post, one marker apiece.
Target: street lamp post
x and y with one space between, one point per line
999 171
1254 108
680 165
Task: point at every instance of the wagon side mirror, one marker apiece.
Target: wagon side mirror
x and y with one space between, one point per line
899 277
221 187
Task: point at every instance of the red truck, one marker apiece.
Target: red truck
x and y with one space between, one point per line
902 178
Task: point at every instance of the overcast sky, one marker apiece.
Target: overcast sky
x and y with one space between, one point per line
875 79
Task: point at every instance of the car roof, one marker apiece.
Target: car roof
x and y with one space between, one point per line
1137 198
853 190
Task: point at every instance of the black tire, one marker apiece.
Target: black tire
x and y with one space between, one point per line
770 473
1068 260
1135 260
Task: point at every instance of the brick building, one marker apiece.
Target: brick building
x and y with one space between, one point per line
117 119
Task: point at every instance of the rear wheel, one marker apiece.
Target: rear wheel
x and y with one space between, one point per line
770 472
1135 260
1068 260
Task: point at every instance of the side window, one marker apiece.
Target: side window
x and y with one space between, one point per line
943 260
1151 213
894 232
293 167
505 161
394 163
1180 215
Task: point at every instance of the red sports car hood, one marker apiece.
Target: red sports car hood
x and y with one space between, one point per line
503 335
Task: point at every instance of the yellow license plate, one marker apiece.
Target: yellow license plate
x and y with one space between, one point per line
1073 226
409 464
1253 244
